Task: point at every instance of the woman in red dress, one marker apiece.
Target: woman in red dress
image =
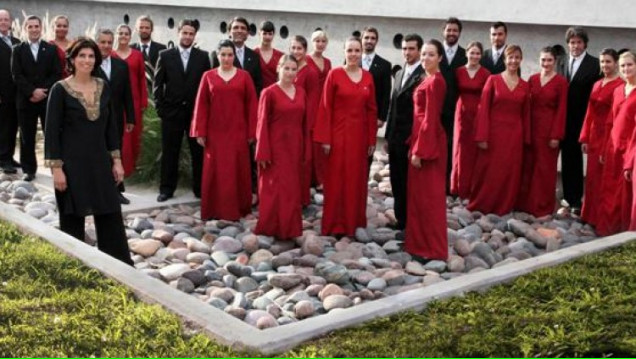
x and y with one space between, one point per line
548 104
502 127
131 144
470 83
346 127
224 123
616 192
322 66
307 79
60 25
594 134
268 55
426 233
280 134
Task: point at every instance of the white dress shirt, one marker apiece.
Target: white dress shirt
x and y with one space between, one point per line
408 70
35 48
240 54
450 51
496 53
367 60
575 63
106 67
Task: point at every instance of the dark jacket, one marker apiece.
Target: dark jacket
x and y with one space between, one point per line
29 73
7 86
400 116
579 93
121 97
380 69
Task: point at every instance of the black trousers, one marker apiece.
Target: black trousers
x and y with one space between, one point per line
399 165
449 124
572 170
172 132
28 123
111 235
8 131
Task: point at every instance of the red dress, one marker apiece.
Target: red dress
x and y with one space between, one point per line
61 54
616 194
548 107
426 233
347 120
307 79
131 143
225 114
268 69
280 138
464 147
319 159
595 134
503 121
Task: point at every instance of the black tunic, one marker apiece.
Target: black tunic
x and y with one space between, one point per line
85 139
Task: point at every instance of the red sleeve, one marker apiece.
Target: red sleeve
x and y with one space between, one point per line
251 106
482 120
263 149
322 128
427 145
372 112
587 122
141 77
609 123
201 115
558 125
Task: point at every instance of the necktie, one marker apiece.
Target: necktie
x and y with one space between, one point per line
449 54
407 74
571 69
144 50
7 40
184 58
367 62
239 53
495 56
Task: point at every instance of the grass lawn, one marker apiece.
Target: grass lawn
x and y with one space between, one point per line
51 305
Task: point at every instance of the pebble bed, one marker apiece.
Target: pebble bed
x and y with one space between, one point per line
267 282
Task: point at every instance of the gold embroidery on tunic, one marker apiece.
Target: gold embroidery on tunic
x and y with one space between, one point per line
53 163
92 111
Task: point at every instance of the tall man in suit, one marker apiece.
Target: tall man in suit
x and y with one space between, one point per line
454 56
179 72
150 49
380 70
35 67
493 59
115 72
400 122
8 115
582 72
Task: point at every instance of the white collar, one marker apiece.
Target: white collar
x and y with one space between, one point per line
580 57
36 42
499 51
141 43
181 49
454 47
411 68
371 55
106 60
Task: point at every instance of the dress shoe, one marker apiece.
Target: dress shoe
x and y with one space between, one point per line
28 177
162 197
122 199
419 259
9 169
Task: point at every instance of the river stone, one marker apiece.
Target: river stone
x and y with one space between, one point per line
196 257
260 256
173 271
536 238
313 245
435 266
226 294
238 269
297 297
328 290
304 309
415 268
196 276
333 273
485 252
472 262
217 303
245 285
227 244
456 264
252 316
284 281
337 301
182 284
220 258
145 247
195 245
162 235
394 277
262 302
362 235
230 231
364 277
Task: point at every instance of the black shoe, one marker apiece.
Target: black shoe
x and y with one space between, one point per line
9 169
162 197
15 163
28 177
122 199
419 259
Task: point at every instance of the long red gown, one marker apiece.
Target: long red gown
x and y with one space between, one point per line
347 121
225 114
307 79
616 193
503 121
268 69
548 105
319 159
61 54
280 135
426 233
131 143
595 134
464 147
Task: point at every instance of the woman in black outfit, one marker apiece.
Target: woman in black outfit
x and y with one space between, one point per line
81 147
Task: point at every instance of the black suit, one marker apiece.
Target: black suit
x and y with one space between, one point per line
398 129
251 64
571 156
380 70
450 101
175 92
8 114
29 74
494 68
150 60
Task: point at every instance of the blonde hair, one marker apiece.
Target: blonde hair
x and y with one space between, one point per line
511 49
627 54
60 17
319 33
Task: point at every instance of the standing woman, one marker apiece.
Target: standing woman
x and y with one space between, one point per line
595 132
280 135
426 237
548 105
616 192
268 55
81 145
502 127
131 146
307 79
470 83
60 27
346 127
224 123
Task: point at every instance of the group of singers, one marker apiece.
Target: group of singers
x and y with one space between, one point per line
459 122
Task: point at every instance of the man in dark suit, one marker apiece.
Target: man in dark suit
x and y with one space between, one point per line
35 67
8 115
115 72
493 58
454 56
400 122
582 72
150 49
179 72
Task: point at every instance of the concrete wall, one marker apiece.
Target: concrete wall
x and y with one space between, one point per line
531 25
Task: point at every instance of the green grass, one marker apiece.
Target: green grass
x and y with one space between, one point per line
51 305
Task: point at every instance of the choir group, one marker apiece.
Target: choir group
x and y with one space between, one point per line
459 121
